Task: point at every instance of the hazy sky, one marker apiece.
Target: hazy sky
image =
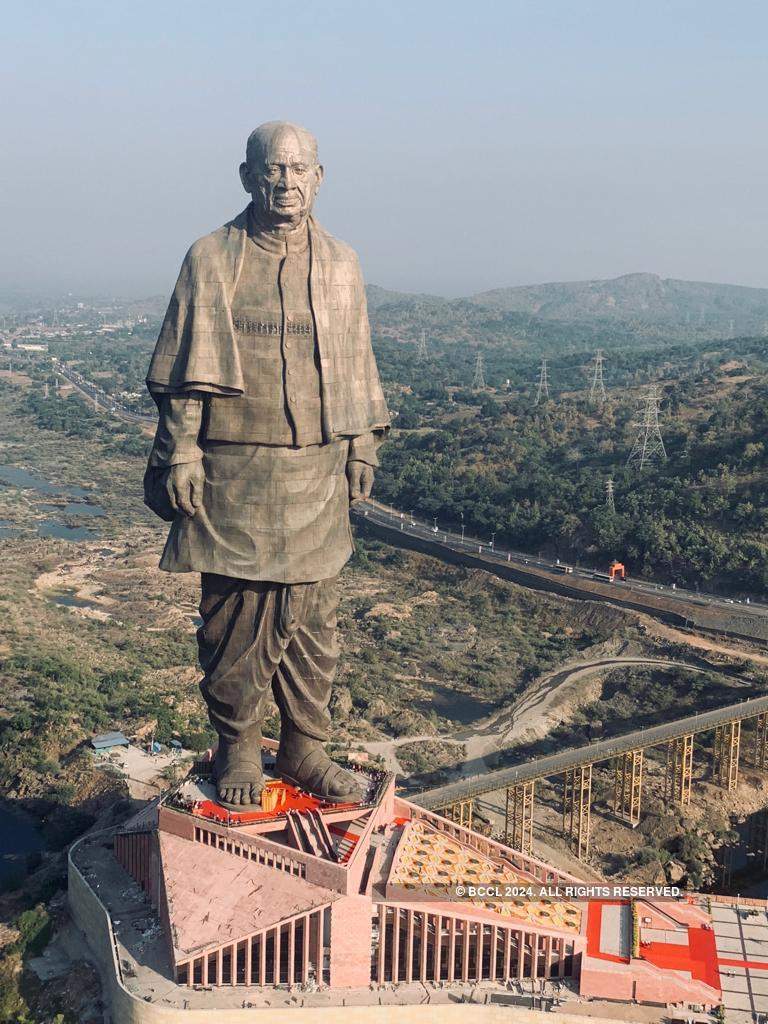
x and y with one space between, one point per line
467 145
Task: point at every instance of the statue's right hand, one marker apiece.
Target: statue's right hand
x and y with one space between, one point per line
185 487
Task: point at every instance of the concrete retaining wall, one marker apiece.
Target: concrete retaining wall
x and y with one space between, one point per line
717 621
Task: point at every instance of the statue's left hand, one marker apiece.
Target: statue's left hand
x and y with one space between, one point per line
360 478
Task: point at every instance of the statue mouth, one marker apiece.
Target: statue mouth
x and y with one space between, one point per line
286 201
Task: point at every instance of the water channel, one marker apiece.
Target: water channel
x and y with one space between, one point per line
75 505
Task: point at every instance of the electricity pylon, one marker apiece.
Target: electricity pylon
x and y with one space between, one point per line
421 352
478 381
597 388
609 499
648 443
542 391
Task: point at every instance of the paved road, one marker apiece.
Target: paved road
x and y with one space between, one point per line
556 764
394 519
94 393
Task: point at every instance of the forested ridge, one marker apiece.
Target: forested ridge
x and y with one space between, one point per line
536 474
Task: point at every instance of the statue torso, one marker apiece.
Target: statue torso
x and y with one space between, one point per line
277 346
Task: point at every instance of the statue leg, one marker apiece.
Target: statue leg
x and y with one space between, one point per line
302 688
240 645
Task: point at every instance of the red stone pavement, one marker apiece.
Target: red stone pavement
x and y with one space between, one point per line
698 957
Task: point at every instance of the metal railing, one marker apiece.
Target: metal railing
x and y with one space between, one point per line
603 750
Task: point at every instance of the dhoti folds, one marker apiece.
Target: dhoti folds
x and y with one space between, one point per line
270 538
256 634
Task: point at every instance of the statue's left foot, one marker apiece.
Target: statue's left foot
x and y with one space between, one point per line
302 761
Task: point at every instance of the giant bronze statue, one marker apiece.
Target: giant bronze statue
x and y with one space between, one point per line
270 415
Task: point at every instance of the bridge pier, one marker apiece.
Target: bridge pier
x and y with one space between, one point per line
761 742
577 808
628 786
460 812
679 770
726 760
519 799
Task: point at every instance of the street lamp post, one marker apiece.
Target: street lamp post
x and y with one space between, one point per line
462 526
493 538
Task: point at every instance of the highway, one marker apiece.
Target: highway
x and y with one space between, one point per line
392 519
556 764
107 402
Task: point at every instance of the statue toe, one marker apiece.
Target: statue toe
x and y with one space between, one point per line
238 773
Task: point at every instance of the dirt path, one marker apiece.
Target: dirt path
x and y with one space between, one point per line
387 749
550 700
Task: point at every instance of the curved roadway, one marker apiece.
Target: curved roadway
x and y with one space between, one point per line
393 519
556 764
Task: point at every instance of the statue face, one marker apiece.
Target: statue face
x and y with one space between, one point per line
283 180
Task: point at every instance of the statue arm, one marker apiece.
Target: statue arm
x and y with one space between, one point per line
361 461
363 448
175 477
178 430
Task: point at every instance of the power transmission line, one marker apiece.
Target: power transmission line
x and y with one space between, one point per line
542 391
609 498
478 381
597 388
648 442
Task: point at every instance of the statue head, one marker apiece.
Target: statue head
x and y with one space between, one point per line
282 174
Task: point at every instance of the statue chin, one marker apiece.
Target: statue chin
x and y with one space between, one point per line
277 218
280 220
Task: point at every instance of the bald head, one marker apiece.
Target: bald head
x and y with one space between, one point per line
282 174
276 135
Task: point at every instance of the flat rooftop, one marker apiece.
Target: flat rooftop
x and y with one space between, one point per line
146 969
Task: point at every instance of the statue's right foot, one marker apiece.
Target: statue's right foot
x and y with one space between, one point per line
237 769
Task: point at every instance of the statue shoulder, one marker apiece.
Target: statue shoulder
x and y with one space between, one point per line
220 243
333 247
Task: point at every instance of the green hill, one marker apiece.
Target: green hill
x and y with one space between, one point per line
562 316
636 296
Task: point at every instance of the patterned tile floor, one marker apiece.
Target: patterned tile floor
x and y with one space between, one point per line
428 858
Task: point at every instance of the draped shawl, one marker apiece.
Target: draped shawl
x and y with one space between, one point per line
197 349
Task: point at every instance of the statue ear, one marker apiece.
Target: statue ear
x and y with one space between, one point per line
320 172
245 177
